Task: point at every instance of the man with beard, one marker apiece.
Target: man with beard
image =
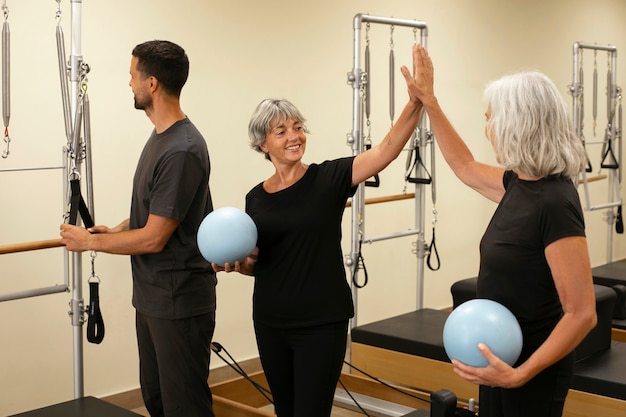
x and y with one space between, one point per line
173 286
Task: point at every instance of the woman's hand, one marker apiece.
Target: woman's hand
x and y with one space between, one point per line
420 84
246 267
497 374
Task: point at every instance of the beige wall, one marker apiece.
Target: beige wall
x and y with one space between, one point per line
242 52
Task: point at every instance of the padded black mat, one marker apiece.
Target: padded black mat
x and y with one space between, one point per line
420 333
604 373
417 333
610 274
81 407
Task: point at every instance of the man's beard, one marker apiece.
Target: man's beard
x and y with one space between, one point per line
143 105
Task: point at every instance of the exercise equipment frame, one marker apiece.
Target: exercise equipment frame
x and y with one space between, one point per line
358 78
77 151
613 133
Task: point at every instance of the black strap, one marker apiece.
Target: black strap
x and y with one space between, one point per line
95 323
432 249
360 264
619 221
416 163
77 204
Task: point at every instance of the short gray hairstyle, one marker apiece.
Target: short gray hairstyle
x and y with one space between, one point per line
531 127
268 111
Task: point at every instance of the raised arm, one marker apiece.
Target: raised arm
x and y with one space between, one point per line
374 160
485 179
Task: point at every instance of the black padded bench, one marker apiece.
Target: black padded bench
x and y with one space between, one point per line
613 275
408 349
420 333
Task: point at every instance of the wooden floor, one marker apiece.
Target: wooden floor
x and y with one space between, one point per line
133 402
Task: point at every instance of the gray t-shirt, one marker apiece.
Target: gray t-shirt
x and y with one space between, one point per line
172 180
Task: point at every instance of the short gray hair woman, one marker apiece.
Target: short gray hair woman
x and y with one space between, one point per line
268 111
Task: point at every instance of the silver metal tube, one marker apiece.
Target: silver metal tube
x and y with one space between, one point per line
65 92
77 287
88 159
30 169
359 18
6 73
390 236
35 292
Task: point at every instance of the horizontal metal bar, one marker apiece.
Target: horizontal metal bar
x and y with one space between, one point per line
390 236
607 205
359 18
373 406
34 292
583 45
29 169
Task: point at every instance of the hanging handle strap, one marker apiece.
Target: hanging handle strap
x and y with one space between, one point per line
95 322
432 250
78 205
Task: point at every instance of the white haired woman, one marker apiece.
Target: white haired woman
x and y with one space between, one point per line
533 255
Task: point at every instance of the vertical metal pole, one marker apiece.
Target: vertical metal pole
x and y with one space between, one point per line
77 303
358 201
611 91
420 204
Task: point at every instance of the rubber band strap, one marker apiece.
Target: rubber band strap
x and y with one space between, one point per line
432 249
95 323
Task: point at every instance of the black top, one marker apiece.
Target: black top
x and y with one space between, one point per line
513 267
300 279
172 180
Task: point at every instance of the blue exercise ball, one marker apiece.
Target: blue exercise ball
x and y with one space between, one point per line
482 321
226 234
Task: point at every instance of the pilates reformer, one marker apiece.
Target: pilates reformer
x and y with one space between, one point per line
76 166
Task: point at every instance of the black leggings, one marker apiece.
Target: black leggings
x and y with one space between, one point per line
544 395
302 366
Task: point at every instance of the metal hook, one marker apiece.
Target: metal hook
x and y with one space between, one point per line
93 276
7 140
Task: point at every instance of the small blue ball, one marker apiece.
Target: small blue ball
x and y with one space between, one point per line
482 321
227 234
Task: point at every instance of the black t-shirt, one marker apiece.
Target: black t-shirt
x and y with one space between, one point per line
513 267
172 180
300 279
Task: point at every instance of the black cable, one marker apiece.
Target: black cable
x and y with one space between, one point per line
353 399
387 385
217 348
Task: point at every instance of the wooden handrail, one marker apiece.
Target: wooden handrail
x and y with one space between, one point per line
28 246
385 199
592 179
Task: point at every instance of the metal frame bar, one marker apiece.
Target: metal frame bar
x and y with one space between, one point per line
613 92
74 114
357 78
